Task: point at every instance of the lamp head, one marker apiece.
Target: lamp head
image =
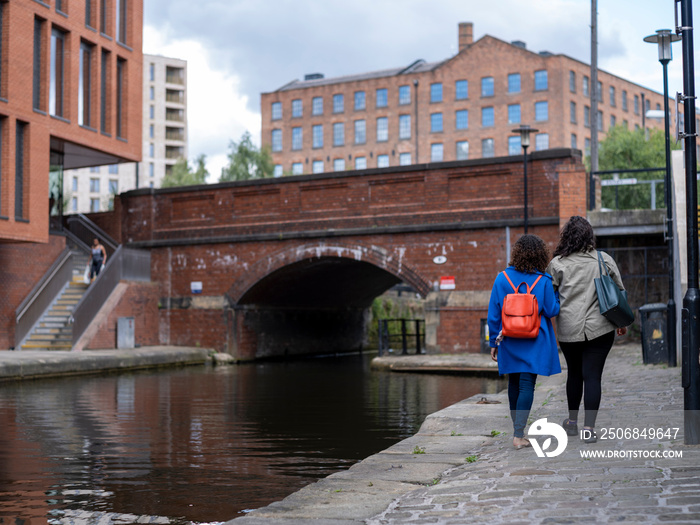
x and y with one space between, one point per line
663 38
524 130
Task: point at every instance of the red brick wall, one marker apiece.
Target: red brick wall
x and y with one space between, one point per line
230 237
140 301
17 104
23 265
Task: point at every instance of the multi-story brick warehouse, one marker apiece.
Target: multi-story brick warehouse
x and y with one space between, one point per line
463 107
70 96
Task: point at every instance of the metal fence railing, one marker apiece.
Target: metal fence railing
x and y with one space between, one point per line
124 264
634 189
397 331
41 297
86 230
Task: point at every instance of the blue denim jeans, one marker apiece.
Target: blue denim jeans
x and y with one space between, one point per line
521 390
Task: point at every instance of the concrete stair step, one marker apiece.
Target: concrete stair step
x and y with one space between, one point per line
32 346
53 330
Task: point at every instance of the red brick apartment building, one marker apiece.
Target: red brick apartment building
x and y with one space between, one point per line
460 108
70 97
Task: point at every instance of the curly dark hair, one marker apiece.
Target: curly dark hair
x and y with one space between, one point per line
529 254
576 236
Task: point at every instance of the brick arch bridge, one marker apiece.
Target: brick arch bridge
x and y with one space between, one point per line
291 265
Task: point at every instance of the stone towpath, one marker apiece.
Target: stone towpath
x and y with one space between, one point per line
455 472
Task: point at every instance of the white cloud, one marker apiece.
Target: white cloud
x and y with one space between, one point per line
217 111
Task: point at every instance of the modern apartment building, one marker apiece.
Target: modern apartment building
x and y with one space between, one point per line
164 132
459 108
70 96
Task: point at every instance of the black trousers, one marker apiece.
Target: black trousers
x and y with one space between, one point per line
585 360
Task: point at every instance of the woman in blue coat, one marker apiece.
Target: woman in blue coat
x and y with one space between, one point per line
524 359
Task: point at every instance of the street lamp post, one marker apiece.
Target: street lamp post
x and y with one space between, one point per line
664 38
524 130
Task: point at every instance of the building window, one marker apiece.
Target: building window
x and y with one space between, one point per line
382 129
541 111
541 80
297 108
574 144
317 106
382 98
152 72
103 17
613 121
74 204
317 166
113 169
487 148
37 66
572 112
382 161
360 163
338 103
587 146
586 86
121 99
151 131
647 105
151 170
462 119
487 116
152 93
85 84
514 146
339 134
436 123
94 185
636 104
514 114
89 13
541 141
625 124
276 111
297 139
487 87
436 92
94 205
277 171
121 20
360 132
436 153
462 150
151 111
360 100
297 168
94 169
276 140
404 159
104 91
572 81
587 116
338 164
404 126
151 150
58 42
113 187
461 90
404 95
599 91
624 100
74 187
611 96
20 135
317 136
599 122
514 83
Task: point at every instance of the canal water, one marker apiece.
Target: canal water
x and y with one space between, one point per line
200 444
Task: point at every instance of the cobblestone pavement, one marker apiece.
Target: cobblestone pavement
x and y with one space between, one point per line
503 485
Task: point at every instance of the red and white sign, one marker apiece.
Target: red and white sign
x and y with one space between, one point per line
447 282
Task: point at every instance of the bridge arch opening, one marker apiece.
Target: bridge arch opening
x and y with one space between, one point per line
313 300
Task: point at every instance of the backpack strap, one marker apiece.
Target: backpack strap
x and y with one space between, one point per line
529 288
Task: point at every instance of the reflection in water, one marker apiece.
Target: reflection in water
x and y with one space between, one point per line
201 444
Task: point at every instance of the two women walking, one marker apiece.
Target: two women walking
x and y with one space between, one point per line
566 290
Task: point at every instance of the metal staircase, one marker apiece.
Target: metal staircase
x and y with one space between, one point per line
54 331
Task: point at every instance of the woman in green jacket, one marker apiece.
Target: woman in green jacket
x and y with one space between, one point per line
585 336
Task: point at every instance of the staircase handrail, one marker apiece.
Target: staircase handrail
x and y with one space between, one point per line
42 295
95 232
124 264
77 240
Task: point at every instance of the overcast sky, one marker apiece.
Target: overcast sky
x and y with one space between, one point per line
237 49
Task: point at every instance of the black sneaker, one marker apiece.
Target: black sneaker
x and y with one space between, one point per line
570 426
590 436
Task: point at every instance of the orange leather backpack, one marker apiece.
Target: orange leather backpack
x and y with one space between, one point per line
520 314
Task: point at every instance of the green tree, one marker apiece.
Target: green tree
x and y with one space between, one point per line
247 161
623 149
183 175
